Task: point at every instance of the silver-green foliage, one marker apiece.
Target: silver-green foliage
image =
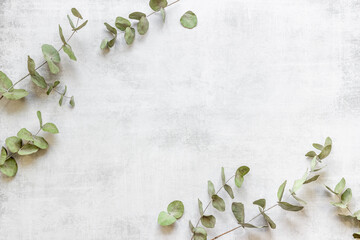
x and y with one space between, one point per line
52 59
175 210
24 143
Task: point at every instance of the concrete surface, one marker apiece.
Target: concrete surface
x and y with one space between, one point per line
256 83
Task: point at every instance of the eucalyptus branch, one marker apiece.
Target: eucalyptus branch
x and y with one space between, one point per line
188 20
51 55
25 143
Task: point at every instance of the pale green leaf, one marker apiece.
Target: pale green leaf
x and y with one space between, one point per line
104 44
3 155
31 66
165 219
223 180
40 118
13 144
269 220
313 179
332 191
239 175
137 15
28 149
298 199
346 196
9 168
218 203
200 233
298 183
310 154
189 20
143 26
156 5
122 23
280 192
76 13
248 225
200 205
176 209
289 207
163 14
71 22
328 141
68 50
72 101
229 190
62 35
238 211
339 188
5 82
39 80
211 188
25 134
129 35
260 202
51 128
40 142
81 26
325 152
208 221
16 94
318 146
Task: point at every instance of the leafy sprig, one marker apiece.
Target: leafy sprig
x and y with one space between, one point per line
124 25
23 144
344 197
52 58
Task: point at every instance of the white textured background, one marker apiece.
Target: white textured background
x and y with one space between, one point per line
255 83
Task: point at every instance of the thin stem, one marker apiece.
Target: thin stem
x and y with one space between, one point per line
43 63
207 206
231 230
164 7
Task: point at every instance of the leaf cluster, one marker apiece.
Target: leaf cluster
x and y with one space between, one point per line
175 210
24 143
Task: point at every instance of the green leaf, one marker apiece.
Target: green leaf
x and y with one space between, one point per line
356 235
71 22
310 154
122 23
129 35
218 203
25 135
137 15
238 211
200 234
62 35
40 142
81 26
9 168
269 221
328 141
16 94
156 5
298 183
223 180
318 146
200 205
143 26
14 144
313 179
313 163
49 90
325 152
357 215
176 209
211 188
248 225
289 207
61 100
165 219
339 204
68 50
72 101
104 44
191 226
51 128
239 175
346 196
51 56
208 221
28 149
298 199
31 66
39 80
110 28
76 13
260 202
5 82
163 14
229 190
111 43
189 20
280 192
3 155
56 83
340 186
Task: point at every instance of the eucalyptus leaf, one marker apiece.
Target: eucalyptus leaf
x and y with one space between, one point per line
40 142
325 152
104 44
280 192
298 199
248 225
81 26
163 14
68 50
28 149
346 196
260 202
298 183
176 209
318 146
208 221
122 23
200 233
269 220
51 56
3 155
14 144
189 20
211 188
51 128
76 13
165 219
328 141
61 100
62 35
339 188
9 168
229 190
332 191
15 94
223 180
289 207
72 101
218 203
137 15
5 82
191 226
25 134
38 80
31 66
110 28
156 5
129 35
143 26
238 211
313 163
71 22
239 175
200 205
313 179
311 154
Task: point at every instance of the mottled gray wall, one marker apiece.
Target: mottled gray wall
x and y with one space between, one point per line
255 83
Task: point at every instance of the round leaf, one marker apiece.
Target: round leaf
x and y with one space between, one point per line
239 175
238 211
208 221
15 94
122 23
13 144
28 149
40 142
200 233
165 219
3 155
218 203
51 128
156 5
5 82
9 168
189 20
24 134
129 35
143 26
176 209
137 15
